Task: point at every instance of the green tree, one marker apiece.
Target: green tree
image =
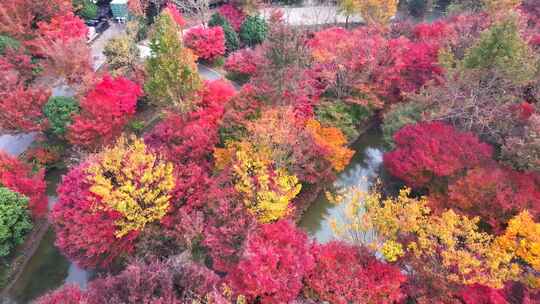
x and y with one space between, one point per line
86 9
172 77
232 42
59 111
501 48
14 220
398 116
344 116
8 42
253 30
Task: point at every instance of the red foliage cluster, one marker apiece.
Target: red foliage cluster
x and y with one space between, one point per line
241 108
62 44
347 274
63 28
169 282
216 94
233 14
18 17
243 62
104 112
207 43
431 32
175 14
530 11
494 194
158 282
68 294
20 106
479 294
19 177
391 66
227 226
275 259
184 140
427 152
413 64
192 138
84 236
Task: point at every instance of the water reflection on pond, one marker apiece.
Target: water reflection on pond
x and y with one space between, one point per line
48 268
363 171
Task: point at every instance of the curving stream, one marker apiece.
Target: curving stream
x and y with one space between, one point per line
363 171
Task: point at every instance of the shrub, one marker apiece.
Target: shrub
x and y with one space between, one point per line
171 281
431 152
275 260
8 42
348 274
105 110
242 64
234 16
59 111
232 42
158 282
21 178
207 43
14 220
253 30
342 115
398 116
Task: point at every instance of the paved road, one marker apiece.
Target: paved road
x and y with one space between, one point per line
98 45
311 15
205 72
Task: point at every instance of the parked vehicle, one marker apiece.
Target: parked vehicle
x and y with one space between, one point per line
99 25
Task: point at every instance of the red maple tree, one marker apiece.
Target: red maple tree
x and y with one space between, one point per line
348 274
84 236
275 259
20 177
207 43
105 110
432 151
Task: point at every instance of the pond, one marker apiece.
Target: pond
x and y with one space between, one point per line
363 171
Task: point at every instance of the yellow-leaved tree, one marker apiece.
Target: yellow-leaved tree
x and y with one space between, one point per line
375 11
134 181
446 247
266 189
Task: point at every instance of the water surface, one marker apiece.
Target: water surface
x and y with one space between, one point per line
363 171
